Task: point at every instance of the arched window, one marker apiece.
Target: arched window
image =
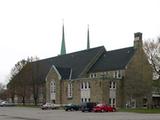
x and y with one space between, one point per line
84 85
81 85
53 90
114 84
88 84
70 90
52 86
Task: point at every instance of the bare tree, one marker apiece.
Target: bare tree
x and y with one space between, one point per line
19 83
152 50
15 79
2 87
2 90
11 88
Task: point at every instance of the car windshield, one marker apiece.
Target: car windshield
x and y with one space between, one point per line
48 104
70 104
99 105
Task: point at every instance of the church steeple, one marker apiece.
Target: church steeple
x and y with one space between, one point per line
88 43
63 46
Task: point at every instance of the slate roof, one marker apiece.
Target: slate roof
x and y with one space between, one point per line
113 60
76 61
64 72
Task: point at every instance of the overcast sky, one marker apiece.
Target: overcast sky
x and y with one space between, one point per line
34 27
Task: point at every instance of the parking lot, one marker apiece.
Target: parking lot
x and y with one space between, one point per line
22 113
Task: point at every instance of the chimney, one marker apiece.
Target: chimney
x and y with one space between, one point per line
138 40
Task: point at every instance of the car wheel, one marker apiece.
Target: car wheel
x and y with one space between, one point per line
102 110
114 110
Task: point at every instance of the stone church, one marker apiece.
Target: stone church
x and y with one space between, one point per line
120 78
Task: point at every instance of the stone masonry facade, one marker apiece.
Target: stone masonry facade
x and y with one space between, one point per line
127 87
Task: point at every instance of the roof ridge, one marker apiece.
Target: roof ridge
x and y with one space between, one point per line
82 50
119 49
69 53
114 60
93 61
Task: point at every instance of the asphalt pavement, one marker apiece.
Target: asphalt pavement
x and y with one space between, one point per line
24 113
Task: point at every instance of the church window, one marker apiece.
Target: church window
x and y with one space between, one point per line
70 90
88 84
85 92
114 84
82 100
114 101
110 101
110 84
81 85
52 90
119 74
53 87
95 75
85 85
92 75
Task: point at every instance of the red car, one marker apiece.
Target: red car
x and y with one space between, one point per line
103 108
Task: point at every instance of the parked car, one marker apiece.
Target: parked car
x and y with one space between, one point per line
71 107
51 106
6 104
88 106
111 109
103 108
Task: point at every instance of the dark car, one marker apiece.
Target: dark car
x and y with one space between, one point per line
71 107
88 106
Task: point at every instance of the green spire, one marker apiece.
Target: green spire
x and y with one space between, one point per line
88 43
63 47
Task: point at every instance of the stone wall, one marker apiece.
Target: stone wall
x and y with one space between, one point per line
52 75
134 84
99 90
137 80
76 92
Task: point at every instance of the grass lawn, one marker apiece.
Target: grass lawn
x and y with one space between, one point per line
140 110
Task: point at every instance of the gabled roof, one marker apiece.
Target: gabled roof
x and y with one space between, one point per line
64 72
113 60
76 61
